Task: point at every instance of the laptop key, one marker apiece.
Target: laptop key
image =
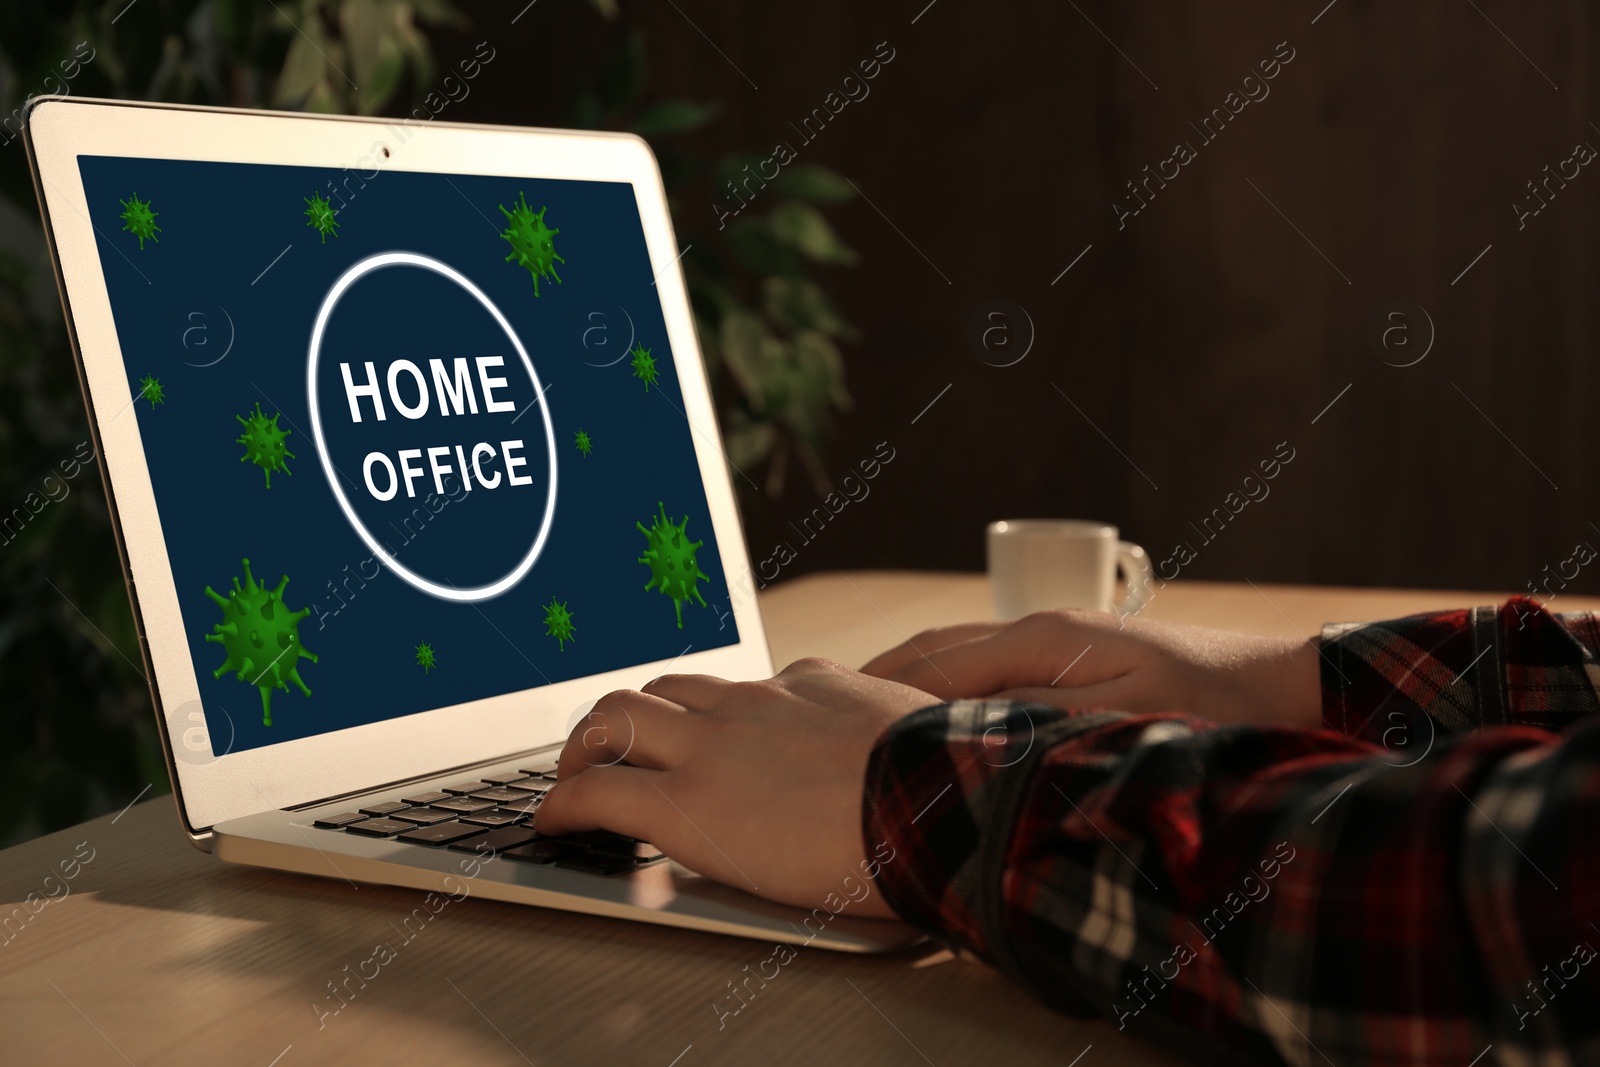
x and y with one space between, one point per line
425 798
499 793
333 822
442 834
603 841
424 816
531 785
540 772
497 841
379 827
465 805
596 863
461 789
543 850
494 818
505 778
525 806
387 807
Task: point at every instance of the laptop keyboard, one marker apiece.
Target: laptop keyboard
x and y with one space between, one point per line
493 816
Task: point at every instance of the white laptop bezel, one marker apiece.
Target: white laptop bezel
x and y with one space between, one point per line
298 772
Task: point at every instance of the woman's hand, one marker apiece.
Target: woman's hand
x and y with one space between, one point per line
755 784
1084 660
759 784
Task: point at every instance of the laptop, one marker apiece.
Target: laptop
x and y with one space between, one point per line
411 457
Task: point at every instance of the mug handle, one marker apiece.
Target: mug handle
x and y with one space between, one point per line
1137 576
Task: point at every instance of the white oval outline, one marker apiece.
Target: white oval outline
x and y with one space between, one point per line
313 355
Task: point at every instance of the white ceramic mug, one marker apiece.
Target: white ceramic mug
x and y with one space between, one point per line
1040 564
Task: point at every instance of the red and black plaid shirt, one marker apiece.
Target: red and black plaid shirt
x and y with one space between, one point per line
1418 883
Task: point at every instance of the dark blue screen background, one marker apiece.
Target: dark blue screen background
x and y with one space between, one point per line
206 287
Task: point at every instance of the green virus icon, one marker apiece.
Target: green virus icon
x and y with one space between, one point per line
261 637
644 366
319 216
425 657
558 623
670 556
581 439
263 443
150 389
139 220
530 241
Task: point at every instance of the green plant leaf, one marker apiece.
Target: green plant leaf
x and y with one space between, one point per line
413 44
708 287
379 89
749 442
802 226
325 100
799 304
668 117
758 248
739 168
439 13
820 368
302 70
372 38
742 341
808 181
362 24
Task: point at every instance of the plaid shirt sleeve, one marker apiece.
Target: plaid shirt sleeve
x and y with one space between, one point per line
1517 663
1280 895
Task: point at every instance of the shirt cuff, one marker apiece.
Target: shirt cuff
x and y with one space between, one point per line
1516 663
943 799
925 805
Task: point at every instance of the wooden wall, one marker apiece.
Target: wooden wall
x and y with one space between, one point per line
1193 338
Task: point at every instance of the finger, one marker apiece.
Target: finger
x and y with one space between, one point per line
638 728
695 692
808 670
887 663
1087 698
702 692
833 685
813 665
624 800
1115 694
1021 656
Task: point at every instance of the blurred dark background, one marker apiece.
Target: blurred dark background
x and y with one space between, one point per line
1383 163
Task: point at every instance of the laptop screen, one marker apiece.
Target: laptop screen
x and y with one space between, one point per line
415 439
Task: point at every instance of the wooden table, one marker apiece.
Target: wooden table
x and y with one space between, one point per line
161 955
